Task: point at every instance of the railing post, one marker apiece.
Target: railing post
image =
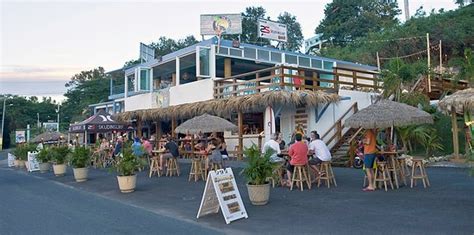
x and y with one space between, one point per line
354 80
282 78
336 80
339 130
235 87
315 83
240 122
257 83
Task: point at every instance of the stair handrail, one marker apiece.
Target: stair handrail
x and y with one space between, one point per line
338 124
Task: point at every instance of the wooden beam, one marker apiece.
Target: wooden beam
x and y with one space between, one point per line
158 133
173 127
454 124
139 127
240 124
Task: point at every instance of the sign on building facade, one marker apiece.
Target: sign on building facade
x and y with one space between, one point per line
272 30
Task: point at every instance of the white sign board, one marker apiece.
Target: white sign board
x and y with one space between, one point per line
32 164
272 30
221 24
20 137
221 192
11 160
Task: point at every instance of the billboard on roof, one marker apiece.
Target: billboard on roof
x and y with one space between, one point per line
272 30
219 24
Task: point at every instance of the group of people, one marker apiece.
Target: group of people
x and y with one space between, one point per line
300 152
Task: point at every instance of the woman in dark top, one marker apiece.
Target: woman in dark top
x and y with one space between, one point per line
281 142
223 148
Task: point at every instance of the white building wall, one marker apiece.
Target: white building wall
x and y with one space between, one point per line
136 102
192 92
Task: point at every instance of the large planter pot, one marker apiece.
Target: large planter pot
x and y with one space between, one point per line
259 194
59 169
80 174
44 167
21 164
127 183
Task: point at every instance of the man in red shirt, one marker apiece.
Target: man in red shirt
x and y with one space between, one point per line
370 149
298 153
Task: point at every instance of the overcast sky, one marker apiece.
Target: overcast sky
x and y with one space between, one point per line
44 43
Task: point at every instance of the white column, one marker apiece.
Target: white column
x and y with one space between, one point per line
178 75
212 62
151 80
126 86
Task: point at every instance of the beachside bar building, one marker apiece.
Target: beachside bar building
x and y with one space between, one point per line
255 87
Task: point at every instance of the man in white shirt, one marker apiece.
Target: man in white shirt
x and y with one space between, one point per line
275 146
320 151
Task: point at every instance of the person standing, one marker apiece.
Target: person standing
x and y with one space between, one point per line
370 148
298 153
320 151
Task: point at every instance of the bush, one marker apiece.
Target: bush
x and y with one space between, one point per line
128 163
259 167
59 154
45 155
21 151
80 157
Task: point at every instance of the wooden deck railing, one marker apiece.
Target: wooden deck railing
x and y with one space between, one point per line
291 78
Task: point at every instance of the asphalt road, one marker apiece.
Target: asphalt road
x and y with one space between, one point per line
34 205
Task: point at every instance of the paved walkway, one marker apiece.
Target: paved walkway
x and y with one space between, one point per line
446 207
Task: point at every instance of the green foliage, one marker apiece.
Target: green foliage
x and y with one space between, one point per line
59 154
80 157
166 45
128 163
425 135
249 25
259 167
45 155
21 151
467 67
346 20
85 88
415 98
295 35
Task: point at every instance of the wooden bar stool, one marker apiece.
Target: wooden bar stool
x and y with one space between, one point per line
173 167
154 167
300 175
196 170
421 174
326 174
404 171
382 175
393 168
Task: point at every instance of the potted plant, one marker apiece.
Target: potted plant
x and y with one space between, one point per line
21 154
257 171
44 157
126 167
79 160
59 155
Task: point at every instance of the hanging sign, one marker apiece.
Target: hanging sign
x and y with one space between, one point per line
221 192
272 30
32 164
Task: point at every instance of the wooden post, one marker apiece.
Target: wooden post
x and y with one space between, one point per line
227 67
192 145
234 80
158 133
354 80
336 80
315 83
139 127
240 124
173 127
257 84
454 124
429 60
260 142
173 79
440 58
282 78
378 61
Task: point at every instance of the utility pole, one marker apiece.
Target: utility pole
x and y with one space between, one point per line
440 58
429 60
57 111
38 120
407 11
3 121
378 61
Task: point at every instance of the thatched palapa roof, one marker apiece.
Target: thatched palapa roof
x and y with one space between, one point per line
205 123
222 107
459 102
386 113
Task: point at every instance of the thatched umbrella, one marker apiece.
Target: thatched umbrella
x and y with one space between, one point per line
48 137
385 114
460 102
205 123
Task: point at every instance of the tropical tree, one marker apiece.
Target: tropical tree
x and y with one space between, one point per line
295 36
346 20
